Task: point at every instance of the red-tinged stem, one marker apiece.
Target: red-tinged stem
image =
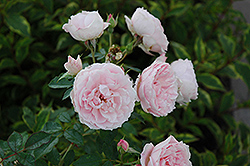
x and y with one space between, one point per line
12 155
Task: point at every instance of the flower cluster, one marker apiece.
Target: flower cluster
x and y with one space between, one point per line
104 95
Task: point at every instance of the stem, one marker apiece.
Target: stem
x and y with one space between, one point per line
61 161
135 43
93 55
110 39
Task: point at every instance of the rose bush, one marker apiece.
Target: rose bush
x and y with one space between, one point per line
85 26
169 152
73 66
103 96
157 88
187 83
148 27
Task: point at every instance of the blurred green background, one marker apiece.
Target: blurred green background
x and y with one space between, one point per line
33 49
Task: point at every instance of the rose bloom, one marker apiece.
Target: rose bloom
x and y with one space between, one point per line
103 96
157 88
187 83
85 26
169 152
149 28
73 66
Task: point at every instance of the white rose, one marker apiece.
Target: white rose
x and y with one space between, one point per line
149 28
187 83
85 26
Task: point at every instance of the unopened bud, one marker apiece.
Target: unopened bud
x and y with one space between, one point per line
123 144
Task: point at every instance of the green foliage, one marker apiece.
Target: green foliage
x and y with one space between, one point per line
38 126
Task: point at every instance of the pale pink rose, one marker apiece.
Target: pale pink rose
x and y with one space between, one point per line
85 26
150 29
103 96
73 66
157 88
169 152
187 83
124 144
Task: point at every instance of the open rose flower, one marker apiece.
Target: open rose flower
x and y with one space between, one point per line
157 88
85 26
149 28
169 152
103 96
187 83
73 66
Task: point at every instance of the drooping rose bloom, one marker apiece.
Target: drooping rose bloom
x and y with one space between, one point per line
85 26
103 96
73 66
157 88
169 152
150 29
187 83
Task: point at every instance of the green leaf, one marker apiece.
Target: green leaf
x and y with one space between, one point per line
229 71
41 119
18 7
48 4
205 98
247 39
13 79
186 137
105 143
52 127
21 53
18 24
227 101
41 162
69 158
108 163
210 81
7 63
195 130
53 156
78 127
36 140
62 83
67 93
243 69
240 160
180 51
200 49
15 141
45 148
213 128
228 44
129 129
26 159
178 10
88 160
65 117
195 157
28 118
208 159
39 75
73 136
4 145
